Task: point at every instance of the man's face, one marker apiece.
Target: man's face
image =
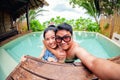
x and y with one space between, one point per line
64 39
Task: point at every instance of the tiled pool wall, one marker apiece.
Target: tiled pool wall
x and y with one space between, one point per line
7 64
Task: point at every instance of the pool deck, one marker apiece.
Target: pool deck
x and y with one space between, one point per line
12 38
36 69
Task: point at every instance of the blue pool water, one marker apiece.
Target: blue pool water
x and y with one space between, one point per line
31 44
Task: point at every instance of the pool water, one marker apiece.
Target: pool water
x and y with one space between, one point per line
31 44
97 44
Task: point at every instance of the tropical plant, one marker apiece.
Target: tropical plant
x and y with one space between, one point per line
35 25
86 25
79 24
106 25
56 21
35 13
32 18
32 14
108 7
89 6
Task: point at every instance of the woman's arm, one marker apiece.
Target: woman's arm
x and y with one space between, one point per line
53 51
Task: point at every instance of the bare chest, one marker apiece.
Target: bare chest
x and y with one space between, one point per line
70 54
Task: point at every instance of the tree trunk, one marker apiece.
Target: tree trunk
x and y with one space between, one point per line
96 20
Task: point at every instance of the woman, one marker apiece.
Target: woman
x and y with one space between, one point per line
49 40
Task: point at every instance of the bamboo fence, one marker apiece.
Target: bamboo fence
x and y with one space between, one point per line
110 24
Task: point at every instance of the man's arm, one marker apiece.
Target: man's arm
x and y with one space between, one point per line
102 68
106 69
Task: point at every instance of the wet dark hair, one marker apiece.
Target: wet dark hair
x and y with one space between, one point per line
50 27
64 26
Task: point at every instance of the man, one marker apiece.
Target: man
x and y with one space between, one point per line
102 68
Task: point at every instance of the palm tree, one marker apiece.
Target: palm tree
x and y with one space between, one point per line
89 6
32 14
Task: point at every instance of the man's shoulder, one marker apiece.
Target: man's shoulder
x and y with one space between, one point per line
76 45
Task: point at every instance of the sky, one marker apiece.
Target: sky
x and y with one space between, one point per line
63 9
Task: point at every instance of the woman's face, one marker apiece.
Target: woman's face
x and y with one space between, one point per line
50 39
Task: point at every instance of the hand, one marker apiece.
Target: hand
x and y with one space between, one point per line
61 53
51 59
62 56
23 58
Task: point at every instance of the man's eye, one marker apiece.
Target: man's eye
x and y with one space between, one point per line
65 36
58 38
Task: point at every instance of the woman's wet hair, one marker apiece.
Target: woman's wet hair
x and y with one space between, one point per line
64 26
50 27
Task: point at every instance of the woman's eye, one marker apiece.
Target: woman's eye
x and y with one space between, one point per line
47 39
53 37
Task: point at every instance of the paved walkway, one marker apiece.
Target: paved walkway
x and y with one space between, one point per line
12 38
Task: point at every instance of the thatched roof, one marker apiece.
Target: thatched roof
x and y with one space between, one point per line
18 7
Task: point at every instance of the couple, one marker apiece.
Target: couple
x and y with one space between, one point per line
64 48
59 44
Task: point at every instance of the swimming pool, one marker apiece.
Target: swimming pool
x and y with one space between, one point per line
31 44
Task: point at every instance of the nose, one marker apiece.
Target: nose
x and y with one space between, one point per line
51 41
62 41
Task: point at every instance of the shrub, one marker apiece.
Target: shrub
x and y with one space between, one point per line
35 25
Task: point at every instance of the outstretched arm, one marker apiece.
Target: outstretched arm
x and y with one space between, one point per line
102 68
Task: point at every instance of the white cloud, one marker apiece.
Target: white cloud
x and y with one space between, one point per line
61 8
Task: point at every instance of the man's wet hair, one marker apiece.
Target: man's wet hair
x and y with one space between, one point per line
65 26
50 27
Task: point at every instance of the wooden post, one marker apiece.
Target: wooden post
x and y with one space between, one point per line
11 21
3 22
27 16
112 26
